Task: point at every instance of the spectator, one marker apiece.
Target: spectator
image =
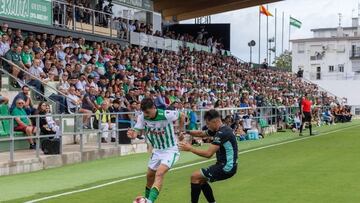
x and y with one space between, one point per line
74 104
22 122
47 124
3 99
4 44
103 122
25 96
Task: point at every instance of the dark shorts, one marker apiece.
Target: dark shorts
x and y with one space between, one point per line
216 173
307 117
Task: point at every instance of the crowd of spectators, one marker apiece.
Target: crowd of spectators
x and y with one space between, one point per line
93 76
64 14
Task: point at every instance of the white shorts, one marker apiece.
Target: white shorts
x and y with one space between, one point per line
167 157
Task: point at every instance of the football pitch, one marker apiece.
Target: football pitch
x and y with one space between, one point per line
283 167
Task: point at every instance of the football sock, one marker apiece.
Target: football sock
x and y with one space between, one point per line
301 127
208 193
195 192
310 128
154 193
147 192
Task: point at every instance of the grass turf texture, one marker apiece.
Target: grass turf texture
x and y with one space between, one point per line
321 169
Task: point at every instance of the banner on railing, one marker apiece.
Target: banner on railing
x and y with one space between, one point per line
152 41
134 38
191 46
160 43
175 45
35 11
168 44
144 40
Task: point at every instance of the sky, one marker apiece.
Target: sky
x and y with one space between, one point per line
312 14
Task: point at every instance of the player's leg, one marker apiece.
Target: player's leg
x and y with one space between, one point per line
159 179
198 184
167 159
309 120
150 178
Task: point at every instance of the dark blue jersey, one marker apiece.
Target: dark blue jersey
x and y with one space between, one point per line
227 155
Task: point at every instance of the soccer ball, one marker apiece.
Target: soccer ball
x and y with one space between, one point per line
140 199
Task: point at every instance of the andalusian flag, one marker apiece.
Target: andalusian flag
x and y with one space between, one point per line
264 11
295 23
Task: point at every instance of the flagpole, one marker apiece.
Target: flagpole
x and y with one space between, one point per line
267 36
275 40
289 34
259 37
282 36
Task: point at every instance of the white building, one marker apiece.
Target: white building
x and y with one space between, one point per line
331 59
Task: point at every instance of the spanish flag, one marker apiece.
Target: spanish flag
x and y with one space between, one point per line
264 11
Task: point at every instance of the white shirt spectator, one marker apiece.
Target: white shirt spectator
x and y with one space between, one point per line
4 47
71 101
80 85
36 71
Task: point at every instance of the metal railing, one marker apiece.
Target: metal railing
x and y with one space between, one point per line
27 73
273 116
69 15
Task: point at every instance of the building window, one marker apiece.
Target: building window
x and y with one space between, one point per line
340 48
341 68
331 69
301 48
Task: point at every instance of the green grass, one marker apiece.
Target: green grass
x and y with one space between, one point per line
320 169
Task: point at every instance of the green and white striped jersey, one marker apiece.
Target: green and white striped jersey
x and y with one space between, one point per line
160 130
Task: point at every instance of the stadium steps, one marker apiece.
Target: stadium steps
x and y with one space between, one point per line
5 133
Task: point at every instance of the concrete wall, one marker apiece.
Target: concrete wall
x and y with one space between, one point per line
52 161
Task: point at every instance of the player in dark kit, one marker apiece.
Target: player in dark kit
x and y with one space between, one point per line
224 145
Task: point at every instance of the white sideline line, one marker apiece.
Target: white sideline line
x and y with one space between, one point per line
180 167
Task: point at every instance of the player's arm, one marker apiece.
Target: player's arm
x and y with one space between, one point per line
197 133
208 153
138 128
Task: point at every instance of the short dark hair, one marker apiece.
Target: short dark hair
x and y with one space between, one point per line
211 114
25 86
116 101
146 104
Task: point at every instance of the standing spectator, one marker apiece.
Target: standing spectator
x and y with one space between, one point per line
103 120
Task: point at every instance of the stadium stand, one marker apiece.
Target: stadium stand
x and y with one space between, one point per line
78 76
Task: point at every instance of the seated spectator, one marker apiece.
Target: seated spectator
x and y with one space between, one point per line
22 122
4 44
25 96
103 122
4 100
89 100
297 121
328 117
74 104
37 76
47 124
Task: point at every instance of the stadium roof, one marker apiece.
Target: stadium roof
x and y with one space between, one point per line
178 10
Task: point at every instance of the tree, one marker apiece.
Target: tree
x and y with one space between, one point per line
284 61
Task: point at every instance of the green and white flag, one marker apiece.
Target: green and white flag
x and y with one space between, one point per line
294 22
